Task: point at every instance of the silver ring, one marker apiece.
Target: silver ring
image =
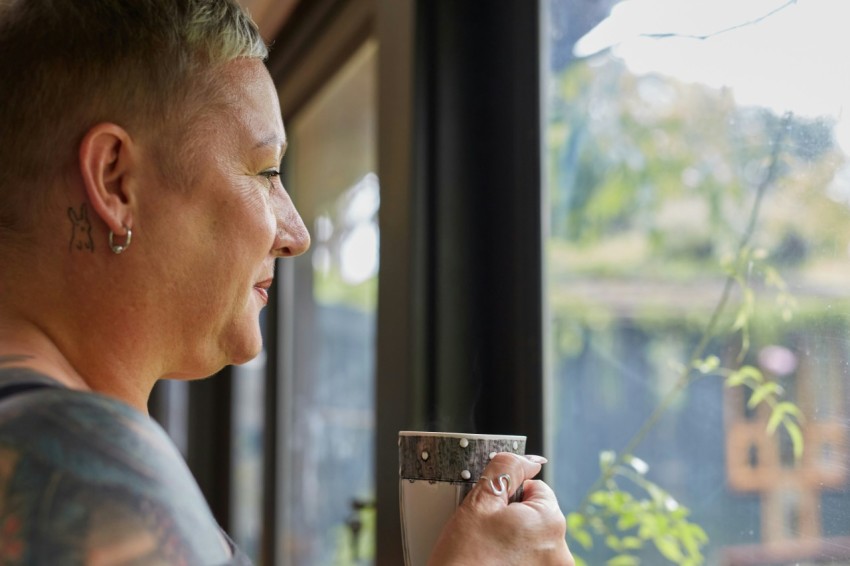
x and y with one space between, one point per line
504 483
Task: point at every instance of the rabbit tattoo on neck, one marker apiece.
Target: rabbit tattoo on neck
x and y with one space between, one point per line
80 230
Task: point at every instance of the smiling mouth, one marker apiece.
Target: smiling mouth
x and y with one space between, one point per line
262 289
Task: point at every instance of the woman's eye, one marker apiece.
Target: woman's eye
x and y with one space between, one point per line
271 175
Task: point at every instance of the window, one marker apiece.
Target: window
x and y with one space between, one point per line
698 273
246 496
327 474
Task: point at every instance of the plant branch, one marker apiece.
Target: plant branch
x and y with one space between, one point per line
720 31
684 378
700 37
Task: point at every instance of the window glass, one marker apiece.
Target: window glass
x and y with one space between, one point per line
698 279
246 497
328 409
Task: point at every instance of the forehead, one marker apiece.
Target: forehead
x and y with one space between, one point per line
251 110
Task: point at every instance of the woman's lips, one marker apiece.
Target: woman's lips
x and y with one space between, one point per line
262 288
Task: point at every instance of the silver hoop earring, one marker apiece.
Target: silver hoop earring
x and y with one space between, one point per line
117 249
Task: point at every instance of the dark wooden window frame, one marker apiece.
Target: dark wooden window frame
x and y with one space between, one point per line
460 308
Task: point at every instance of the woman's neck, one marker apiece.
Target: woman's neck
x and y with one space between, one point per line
23 344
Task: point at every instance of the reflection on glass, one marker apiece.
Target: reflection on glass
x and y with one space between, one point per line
327 473
698 270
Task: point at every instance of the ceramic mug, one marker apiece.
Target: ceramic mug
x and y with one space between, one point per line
436 471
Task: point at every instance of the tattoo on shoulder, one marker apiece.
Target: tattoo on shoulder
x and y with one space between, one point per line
14 359
81 239
47 515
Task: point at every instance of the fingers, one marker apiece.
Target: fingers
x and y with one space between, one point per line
540 497
506 472
488 530
538 493
542 520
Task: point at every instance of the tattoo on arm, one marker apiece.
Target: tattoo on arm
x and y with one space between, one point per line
81 239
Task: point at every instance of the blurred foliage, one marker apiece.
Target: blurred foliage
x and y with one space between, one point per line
655 184
357 546
768 392
644 514
627 523
650 171
330 289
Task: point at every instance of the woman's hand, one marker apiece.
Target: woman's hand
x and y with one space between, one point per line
487 530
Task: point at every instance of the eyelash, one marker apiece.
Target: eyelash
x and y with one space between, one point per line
270 176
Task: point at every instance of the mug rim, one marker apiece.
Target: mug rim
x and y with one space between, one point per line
460 435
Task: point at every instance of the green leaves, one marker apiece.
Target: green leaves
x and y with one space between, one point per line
789 416
644 516
765 392
781 412
745 375
577 529
796 435
746 310
626 522
608 224
606 460
623 560
708 365
745 270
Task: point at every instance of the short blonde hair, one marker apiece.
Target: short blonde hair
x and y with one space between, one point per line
66 65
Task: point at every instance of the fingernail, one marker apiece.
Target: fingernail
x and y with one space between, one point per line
536 459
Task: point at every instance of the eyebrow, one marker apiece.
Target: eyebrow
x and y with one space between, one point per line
273 141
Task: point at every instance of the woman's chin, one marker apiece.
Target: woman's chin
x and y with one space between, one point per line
245 350
210 367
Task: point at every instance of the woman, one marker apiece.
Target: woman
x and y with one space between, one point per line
141 213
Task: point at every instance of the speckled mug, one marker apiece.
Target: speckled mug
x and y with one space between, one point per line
436 471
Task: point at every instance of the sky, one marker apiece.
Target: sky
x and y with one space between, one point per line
795 59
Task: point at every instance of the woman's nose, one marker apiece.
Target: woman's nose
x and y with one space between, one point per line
292 238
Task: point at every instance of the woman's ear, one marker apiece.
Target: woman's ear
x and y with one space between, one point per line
106 157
